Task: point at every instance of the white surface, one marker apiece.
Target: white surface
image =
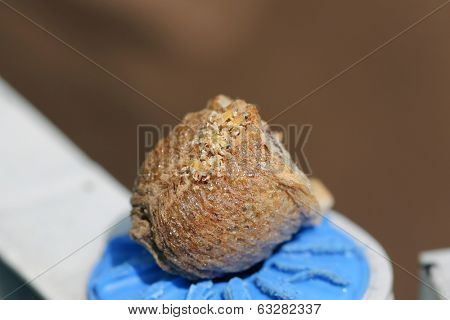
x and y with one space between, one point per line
53 200
435 270
381 279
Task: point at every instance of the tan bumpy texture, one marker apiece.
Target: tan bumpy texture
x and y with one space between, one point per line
219 193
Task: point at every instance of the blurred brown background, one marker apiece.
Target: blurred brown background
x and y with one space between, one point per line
380 139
